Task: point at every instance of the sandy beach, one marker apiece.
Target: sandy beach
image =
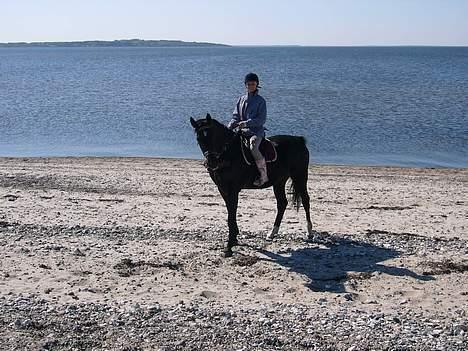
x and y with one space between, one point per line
125 254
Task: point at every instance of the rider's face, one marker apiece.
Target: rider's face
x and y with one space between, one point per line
251 86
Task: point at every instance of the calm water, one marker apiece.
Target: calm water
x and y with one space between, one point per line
388 106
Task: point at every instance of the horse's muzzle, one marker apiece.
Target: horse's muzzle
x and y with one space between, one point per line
211 159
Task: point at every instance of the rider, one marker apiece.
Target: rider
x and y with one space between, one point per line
250 116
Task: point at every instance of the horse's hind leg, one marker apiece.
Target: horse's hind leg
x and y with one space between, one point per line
300 186
311 234
306 203
281 204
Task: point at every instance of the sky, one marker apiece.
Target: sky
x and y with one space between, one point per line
254 22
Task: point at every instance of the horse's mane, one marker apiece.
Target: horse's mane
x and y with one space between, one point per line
205 122
219 124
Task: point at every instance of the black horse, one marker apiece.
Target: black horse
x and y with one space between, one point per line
231 173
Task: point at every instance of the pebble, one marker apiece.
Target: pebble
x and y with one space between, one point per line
208 294
289 326
205 323
78 252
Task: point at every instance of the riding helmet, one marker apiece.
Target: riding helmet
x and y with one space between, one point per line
251 77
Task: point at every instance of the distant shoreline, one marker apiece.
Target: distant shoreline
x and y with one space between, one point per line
123 43
114 43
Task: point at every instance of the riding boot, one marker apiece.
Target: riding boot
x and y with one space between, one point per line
262 168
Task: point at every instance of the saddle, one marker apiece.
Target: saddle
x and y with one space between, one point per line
267 149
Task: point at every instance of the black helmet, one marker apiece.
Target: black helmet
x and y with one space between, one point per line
251 77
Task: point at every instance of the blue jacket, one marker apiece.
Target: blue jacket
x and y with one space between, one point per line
250 108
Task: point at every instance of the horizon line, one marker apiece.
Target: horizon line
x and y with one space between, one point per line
235 45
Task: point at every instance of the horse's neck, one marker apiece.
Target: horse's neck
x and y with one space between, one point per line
234 146
232 141
229 133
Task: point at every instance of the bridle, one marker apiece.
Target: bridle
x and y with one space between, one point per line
220 164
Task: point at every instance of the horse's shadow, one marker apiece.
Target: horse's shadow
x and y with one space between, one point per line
330 265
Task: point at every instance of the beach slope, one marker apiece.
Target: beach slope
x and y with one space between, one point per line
125 254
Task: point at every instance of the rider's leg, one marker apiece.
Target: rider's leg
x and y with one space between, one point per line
259 160
254 147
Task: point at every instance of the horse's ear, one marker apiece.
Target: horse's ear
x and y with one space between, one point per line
193 123
208 117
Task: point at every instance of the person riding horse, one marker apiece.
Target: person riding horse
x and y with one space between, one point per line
227 166
249 116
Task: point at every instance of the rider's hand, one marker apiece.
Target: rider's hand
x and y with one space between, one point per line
232 125
242 124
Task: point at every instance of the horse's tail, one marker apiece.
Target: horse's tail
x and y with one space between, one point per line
294 195
299 177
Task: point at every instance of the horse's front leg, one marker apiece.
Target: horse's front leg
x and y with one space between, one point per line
231 198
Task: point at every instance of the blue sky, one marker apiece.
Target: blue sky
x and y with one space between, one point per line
260 22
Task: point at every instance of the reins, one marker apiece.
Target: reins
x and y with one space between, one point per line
220 164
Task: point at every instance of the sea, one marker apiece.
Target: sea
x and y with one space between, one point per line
396 106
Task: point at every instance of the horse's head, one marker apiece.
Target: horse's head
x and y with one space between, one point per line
211 137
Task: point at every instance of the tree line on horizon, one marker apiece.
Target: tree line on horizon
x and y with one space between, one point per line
112 43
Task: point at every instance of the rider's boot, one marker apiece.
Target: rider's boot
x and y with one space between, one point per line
262 168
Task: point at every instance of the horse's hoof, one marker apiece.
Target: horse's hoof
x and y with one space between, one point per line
310 232
274 232
313 235
227 253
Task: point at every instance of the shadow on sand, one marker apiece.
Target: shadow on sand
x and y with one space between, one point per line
337 260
